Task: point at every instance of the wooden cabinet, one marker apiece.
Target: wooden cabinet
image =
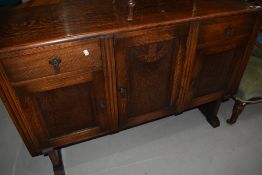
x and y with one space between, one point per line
65 102
77 111
84 71
148 72
221 45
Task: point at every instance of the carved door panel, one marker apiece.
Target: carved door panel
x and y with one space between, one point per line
76 111
212 71
148 71
220 48
63 91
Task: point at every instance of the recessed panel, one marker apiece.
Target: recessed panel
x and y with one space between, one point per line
68 109
149 72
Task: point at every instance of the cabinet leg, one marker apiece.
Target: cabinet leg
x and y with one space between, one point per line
210 111
237 110
56 159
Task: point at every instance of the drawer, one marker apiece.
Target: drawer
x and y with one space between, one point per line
78 56
226 29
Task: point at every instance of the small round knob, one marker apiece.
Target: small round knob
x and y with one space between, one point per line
102 105
122 90
86 52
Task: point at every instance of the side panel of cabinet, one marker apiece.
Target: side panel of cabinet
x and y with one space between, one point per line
148 73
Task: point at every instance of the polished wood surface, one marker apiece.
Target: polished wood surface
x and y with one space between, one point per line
147 72
76 70
41 25
217 55
33 3
56 159
36 64
237 110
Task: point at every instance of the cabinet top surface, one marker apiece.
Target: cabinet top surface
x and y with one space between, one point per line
36 26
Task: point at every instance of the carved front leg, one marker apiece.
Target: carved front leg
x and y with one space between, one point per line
210 111
237 110
56 159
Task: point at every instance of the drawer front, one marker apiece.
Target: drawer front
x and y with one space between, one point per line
53 60
225 30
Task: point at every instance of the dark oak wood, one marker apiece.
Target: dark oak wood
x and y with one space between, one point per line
33 3
36 64
216 57
147 72
57 162
66 107
72 71
210 111
85 18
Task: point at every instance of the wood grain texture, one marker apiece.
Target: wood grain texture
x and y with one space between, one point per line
64 108
174 55
146 69
215 31
238 73
70 20
33 66
217 57
184 99
33 3
56 114
107 46
17 115
57 162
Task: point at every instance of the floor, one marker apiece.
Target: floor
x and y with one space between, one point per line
177 145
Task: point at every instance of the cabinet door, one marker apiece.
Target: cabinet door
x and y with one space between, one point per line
148 72
76 111
212 71
219 53
69 104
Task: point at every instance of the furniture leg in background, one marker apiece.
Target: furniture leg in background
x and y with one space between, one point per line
237 110
210 111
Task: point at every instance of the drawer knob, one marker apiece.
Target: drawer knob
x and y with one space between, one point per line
86 52
228 31
193 83
55 62
122 90
102 105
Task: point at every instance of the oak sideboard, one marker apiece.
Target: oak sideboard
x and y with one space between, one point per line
77 70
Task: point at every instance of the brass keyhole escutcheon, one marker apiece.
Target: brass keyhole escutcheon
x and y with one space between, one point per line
55 61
